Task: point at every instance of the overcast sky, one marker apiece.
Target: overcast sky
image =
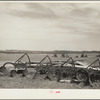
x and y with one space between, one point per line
49 26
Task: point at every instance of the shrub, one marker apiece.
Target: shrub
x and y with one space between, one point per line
55 55
76 56
63 55
82 55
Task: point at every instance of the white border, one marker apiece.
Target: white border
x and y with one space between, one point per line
52 1
44 93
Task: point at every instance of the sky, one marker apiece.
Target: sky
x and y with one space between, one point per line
49 26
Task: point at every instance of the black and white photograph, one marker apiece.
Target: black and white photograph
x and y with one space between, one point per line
49 45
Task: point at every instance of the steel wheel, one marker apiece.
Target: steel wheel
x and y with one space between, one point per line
94 79
82 75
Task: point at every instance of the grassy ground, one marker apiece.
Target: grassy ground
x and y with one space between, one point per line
39 82
29 83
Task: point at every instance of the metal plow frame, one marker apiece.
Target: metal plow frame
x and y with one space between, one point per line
94 75
60 71
81 74
39 65
17 65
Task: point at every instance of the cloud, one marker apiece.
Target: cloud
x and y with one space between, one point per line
50 25
34 10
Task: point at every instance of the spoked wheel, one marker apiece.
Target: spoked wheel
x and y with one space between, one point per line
64 75
13 73
82 75
57 73
94 79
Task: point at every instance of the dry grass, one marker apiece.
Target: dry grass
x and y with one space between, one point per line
39 82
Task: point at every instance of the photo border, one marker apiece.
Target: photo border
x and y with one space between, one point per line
45 93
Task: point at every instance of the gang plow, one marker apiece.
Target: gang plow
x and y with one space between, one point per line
66 70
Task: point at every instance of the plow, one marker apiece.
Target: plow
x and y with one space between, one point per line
66 70
17 67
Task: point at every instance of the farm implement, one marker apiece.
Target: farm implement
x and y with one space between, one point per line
17 67
74 70
70 70
66 70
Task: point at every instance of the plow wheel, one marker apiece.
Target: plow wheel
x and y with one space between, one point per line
64 75
82 76
57 73
94 79
13 73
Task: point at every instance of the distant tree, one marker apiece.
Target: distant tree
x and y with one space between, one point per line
55 55
82 55
63 55
67 56
86 56
76 56
97 55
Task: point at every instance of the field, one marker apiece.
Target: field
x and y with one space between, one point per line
39 82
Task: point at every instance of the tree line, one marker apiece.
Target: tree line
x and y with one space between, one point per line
65 55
